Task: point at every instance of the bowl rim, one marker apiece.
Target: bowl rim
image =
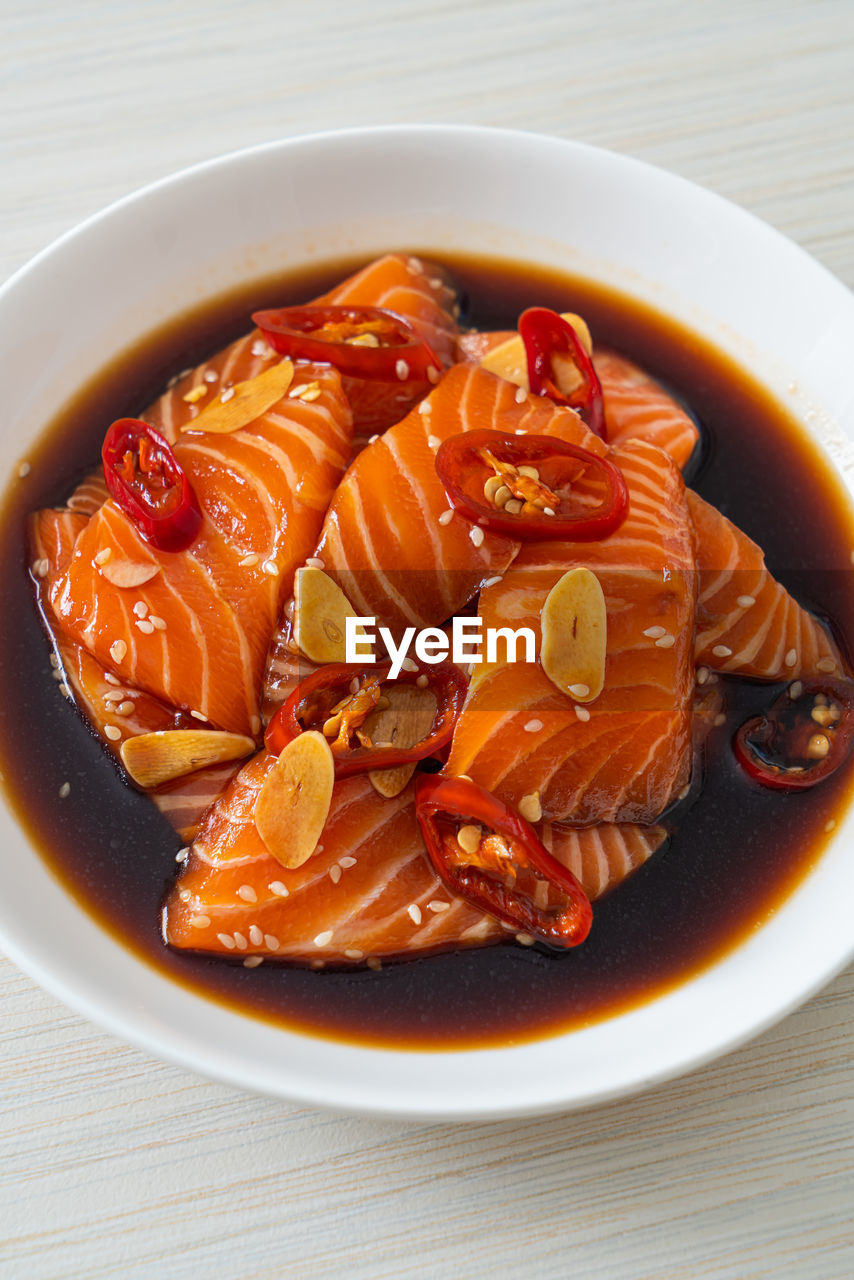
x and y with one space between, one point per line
178 1043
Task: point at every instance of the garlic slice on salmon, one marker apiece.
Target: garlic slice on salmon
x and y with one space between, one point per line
575 635
153 758
128 573
293 803
406 720
242 404
320 613
508 360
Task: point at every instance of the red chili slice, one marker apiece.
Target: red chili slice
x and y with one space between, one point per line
465 462
317 699
148 482
506 871
361 342
545 335
800 741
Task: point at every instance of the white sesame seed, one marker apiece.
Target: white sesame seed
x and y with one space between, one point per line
278 889
373 962
158 623
520 431
548 511
346 862
665 642
446 517
433 442
225 396
226 940
721 651
185 895
746 601
112 732
240 941
315 562
353 953
211 375
256 937
110 678
41 568
791 658
195 394
582 713
525 939
702 675
323 939
200 922
103 556
415 265
183 854
252 962
198 715
140 609
270 566
438 907
796 688
335 873
249 562
402 370
271 942
826 664
414 912
655 632
247 893
424 406
491 582
579 690
261 348
476 535
65 791
24 470
433 374
125 708
521 395
533 726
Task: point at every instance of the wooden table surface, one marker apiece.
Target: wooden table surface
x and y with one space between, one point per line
114 1164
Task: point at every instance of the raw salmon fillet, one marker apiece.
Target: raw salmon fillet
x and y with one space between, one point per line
747 623
397 282
369 891
636 406
388 539
263 491
626 755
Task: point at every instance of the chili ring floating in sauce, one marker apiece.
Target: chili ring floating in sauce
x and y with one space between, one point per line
487 853
545 334
337 699
799 741
147 481
520 486
361 342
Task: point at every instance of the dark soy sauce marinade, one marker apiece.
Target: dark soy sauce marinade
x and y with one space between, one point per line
737 852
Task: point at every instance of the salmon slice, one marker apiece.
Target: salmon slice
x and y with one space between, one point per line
388 539
368 891
626 755
263 491
747 623
636 406
396 282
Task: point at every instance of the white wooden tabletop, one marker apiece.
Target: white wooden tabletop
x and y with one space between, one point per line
113 1164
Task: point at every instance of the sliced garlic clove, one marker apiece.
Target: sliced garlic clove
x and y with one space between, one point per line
247 402
575 635
293 803
321 610
128 573
406 720
508 360
153 758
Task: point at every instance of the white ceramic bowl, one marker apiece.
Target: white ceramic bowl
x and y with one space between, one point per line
511 195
